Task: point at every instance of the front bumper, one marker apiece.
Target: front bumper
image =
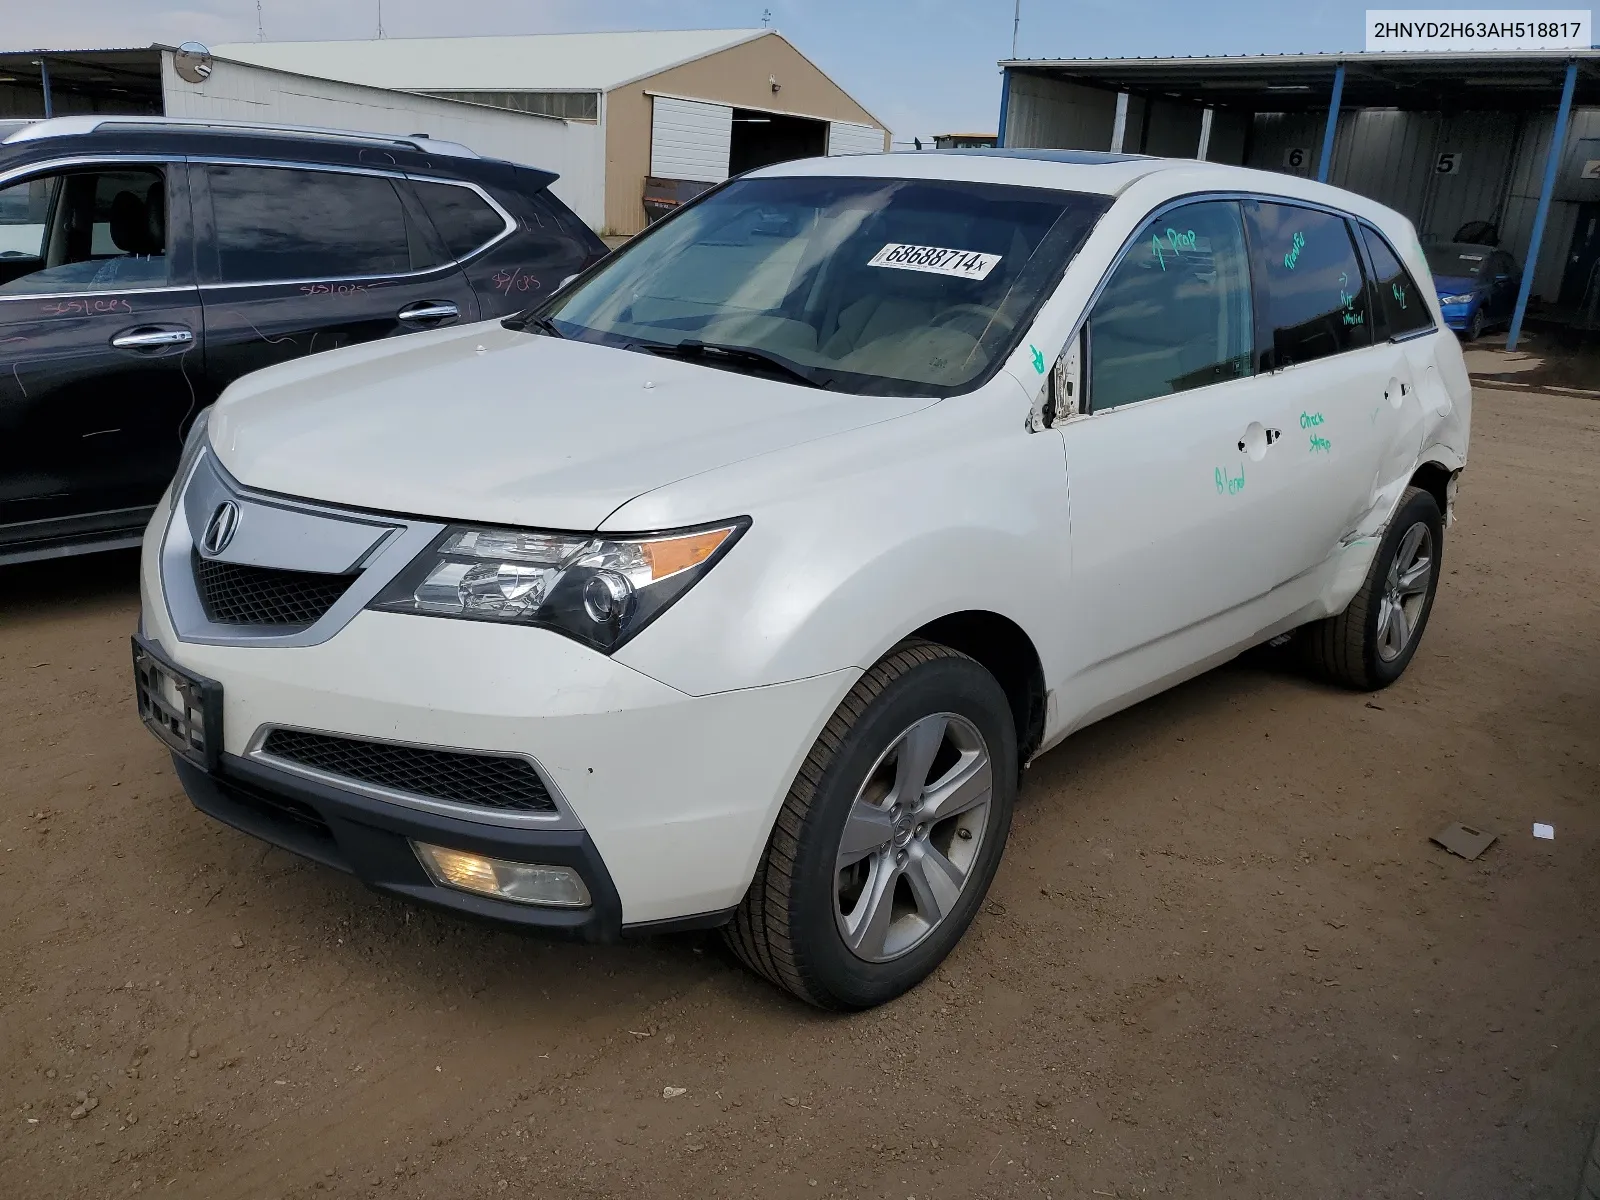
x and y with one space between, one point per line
371 840
672 795
1457 316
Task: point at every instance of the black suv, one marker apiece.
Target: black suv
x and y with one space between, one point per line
145 264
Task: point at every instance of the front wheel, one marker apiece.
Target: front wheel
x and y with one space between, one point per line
890 835
1475 326
1370 643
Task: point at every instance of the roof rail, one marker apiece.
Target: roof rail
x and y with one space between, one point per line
80 125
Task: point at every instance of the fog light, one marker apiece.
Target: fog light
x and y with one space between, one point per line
524 883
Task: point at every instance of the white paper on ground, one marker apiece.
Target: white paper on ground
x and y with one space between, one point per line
1541 830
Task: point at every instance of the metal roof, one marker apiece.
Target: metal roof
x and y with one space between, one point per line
1294 82
591 62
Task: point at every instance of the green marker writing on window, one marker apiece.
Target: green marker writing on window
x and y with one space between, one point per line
1038 358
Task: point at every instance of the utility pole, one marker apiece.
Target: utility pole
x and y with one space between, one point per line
260 36
1016 23
766 18
380 19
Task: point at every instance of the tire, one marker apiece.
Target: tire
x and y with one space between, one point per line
1475 326
815 887
1358 647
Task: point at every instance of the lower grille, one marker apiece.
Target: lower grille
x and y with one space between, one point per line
481 780
284 810
235 594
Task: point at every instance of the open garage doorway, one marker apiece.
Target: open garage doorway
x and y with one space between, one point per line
761 138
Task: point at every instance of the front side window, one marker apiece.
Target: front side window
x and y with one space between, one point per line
1401 308
866 285
278 223
1308 281
84 230
1175 313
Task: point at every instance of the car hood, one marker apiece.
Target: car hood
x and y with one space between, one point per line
1455 285
485 424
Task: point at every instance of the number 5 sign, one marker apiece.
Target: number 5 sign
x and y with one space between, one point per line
1448 163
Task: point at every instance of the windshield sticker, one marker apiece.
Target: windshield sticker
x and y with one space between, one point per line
1472 258
964 264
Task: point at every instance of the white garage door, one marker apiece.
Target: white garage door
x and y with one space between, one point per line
845 138
689 139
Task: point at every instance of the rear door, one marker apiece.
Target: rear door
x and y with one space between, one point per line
100 355
1402 322
300 259
1336 391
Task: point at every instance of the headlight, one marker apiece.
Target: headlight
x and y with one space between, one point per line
1464 298
599 590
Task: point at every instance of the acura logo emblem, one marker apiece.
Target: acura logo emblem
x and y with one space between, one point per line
220 529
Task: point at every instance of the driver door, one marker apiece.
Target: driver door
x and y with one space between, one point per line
1177 469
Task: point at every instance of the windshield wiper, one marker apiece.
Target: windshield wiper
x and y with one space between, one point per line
528 322
693 348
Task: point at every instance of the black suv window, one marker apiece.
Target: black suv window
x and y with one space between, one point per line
1309 283
84 231
282 223
1401 308
1175 313
463 218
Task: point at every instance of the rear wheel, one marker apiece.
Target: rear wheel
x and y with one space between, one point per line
890 835
1370 643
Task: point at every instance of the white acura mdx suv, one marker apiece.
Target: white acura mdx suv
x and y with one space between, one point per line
736 583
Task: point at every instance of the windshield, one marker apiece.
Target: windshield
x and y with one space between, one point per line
863 285
1456 261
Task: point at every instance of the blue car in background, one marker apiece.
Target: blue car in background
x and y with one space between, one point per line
1477 285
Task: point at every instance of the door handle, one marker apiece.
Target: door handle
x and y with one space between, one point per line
429 310
149 337
1266 438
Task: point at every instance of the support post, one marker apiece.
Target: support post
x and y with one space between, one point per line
1552 158
1205 133
1005 106
1325 163
44 82
1119 125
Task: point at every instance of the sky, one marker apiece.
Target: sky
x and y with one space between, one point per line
920 66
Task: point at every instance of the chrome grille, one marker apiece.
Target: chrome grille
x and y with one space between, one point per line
480 780
235 594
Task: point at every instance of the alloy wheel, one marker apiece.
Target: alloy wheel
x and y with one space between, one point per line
1405 592
912 837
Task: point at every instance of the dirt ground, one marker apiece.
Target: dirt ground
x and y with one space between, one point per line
1221 958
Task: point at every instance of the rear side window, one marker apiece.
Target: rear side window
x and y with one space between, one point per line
465 220
1175 313
1309 282
280 223
1401 308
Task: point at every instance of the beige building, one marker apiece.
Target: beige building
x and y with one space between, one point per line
660 114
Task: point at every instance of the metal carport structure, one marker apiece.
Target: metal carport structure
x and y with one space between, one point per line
1226 108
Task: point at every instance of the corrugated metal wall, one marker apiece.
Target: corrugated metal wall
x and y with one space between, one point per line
236 92
1059 116
1387 154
